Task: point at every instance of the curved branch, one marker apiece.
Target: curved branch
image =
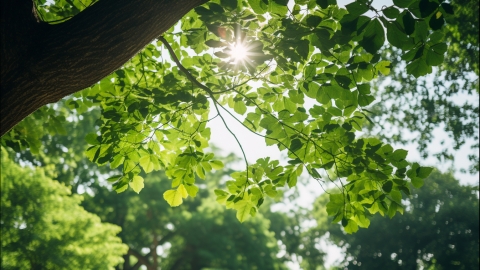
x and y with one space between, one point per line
54 61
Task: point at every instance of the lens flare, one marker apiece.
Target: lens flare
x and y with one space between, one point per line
238 52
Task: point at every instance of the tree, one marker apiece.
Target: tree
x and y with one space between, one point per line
43 227
422 105
42 63
200 233
439 230
155 113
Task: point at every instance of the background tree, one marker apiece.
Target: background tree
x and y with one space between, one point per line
446 100
438 230
199 234
43 227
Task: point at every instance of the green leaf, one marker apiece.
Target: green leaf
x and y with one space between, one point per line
216 8
137 183
120 186
424 172
343 81
383 67
364 100
117 161
373 37
183 191
325 3
221 195
392 209
200 172
229 4
436 21
351 227
295 145
418 68
335 204
222 54
357 8
191 190
408 23
448 8
313 20
417 182
427 8
402 3
396 196
243 208
292 180
433 58
387 187
391 12
92 139
399 154
114 178
149 163
215 43
405 190
361 220
278 7
439 48
240 107
174 197
216 164
259 6
397 36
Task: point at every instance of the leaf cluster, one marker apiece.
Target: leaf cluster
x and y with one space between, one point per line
155 110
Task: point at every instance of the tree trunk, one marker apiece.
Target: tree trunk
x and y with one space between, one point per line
153 250
42 63
143 260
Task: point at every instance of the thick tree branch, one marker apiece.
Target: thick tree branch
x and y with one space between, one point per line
54 61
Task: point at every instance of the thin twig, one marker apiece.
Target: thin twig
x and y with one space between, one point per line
206 89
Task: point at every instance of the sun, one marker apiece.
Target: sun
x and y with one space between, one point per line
238 52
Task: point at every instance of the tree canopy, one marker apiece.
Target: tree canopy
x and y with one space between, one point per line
43 227
438 230
297 74
198 234
446 100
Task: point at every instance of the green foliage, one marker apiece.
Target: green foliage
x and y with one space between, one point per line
155 109
446 99
210 235
439 230
197 234
43 227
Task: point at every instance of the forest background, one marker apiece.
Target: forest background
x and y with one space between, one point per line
440 219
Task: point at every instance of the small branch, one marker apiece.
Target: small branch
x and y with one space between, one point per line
206 89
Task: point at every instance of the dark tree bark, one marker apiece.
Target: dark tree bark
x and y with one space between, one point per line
42 63
143 260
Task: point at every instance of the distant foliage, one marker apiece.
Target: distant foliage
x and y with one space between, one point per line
446 100
44 227
439 230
